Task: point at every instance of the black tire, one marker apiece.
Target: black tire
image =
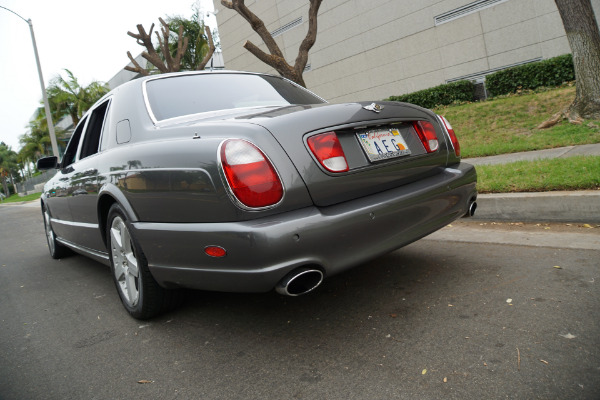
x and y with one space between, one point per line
140 294
57 250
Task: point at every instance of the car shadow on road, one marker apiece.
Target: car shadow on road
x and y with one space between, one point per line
385 286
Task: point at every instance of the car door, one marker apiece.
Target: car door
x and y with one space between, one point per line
83 182
58 194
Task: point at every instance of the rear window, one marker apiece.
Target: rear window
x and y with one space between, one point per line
191 94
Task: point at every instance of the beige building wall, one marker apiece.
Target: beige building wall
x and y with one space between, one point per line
369 50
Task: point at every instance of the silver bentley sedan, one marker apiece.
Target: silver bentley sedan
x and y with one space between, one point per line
246 182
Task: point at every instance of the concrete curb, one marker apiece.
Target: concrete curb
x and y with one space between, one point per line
580 206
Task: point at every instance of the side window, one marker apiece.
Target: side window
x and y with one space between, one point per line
71 151
91 139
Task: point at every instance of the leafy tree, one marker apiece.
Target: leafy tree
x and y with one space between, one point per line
8 166
276 59
187 49
36 142
198 41
68 97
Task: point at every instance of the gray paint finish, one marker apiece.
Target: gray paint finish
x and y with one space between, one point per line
167 178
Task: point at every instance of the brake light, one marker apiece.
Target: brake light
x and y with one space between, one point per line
250 175
452 135
426 133
327 149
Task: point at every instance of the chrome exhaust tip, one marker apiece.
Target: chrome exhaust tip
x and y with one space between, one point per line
471 210
300 281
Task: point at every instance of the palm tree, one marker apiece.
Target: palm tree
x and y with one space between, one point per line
8 165
36 142
68 97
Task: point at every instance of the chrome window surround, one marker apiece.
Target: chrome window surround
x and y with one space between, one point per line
156 122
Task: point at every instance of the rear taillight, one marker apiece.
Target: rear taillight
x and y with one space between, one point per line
327 149
452 135
426 133
250 175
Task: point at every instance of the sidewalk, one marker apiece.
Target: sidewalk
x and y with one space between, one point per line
576 206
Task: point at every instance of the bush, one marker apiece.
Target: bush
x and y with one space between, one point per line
441 95
552 72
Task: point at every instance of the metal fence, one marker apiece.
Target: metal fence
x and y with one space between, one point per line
35 184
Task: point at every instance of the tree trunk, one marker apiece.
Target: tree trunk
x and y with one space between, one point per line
584 39
5 186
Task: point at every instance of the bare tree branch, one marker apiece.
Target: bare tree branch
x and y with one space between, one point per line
136 67
256 23
276 59
211 49
309 39
145 39
278 63
164 43
181 49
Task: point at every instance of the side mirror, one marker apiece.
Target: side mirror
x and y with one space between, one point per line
47 163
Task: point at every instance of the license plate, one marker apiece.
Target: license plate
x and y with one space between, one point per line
383 144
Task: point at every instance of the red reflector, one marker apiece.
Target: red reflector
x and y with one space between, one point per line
452 135
250 175
426 133
215 251
327 149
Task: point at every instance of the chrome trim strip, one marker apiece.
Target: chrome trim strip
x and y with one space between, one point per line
94 253
447 137
147 102
71 223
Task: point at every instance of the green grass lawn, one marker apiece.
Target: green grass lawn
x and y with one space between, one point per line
572 173
507 125
16 198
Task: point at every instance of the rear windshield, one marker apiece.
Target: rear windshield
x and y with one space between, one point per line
191 94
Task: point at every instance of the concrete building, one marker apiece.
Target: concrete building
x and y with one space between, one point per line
369 50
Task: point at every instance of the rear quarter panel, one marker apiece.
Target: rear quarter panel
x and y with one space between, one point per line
173 175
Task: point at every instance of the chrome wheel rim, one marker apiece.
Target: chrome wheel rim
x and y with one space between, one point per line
125 263
49 232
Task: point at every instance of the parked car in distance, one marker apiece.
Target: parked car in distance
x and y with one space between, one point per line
246 182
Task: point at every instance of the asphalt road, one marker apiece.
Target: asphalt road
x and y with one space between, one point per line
439 319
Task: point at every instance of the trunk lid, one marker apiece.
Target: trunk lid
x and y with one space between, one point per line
292 126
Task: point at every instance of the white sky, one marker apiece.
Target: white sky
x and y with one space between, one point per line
87 37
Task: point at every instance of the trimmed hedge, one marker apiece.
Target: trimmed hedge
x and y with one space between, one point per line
439 95
551 72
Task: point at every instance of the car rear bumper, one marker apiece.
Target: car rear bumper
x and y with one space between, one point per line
261 252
